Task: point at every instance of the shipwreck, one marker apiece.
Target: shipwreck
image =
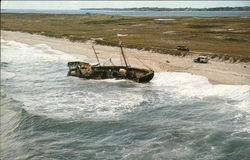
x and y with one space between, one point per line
98 71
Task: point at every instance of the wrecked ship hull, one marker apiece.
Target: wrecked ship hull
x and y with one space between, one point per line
85 70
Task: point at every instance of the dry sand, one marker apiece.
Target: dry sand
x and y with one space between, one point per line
216 71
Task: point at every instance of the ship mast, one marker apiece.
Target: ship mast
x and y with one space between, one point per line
120 43
96 55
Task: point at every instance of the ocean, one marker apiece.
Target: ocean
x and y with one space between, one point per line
138 13
177 116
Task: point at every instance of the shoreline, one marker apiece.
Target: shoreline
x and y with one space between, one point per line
216 71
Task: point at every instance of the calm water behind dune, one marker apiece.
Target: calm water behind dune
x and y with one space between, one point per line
138 13
47 115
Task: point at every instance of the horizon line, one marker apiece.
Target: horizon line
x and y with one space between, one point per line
130 8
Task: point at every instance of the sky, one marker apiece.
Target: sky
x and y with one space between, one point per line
117 4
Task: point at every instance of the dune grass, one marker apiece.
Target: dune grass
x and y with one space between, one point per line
219 37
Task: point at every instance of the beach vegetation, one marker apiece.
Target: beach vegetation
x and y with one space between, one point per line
216 37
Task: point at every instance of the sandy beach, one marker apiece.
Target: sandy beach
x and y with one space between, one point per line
216 71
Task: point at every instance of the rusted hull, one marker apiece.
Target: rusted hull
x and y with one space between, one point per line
146 78
84 70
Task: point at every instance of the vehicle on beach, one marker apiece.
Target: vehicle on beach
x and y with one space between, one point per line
98 71
201 59
182 48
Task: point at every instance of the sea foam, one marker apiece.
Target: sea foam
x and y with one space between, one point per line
190 85
105 98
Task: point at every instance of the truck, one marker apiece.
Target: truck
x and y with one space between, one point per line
201 59
182 48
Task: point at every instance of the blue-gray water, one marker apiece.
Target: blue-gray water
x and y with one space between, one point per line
138 13
180 116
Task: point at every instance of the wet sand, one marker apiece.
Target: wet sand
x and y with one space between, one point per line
216 71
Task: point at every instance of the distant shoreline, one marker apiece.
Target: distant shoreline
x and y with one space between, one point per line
133 13
245 8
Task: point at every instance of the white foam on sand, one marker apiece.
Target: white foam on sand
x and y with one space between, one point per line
193 86
31 52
